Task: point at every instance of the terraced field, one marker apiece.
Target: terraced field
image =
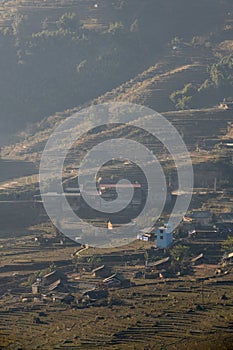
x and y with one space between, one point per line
153 87
194 125
35 11
153 314
12 169
156 315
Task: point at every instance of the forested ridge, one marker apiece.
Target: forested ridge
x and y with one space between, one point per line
64 59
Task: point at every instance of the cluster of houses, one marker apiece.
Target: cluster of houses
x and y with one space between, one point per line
42 240
195 222
162 235
54 287
202 223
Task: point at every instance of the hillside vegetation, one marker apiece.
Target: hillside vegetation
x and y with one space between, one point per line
62 54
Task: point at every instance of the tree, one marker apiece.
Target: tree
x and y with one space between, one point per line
221 72
180 258
179 252
94 261
69 22
182 98
227 245
134 26
116 27
176 41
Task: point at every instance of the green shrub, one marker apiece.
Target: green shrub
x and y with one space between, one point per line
182 98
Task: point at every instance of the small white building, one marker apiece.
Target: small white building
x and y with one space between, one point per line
226 105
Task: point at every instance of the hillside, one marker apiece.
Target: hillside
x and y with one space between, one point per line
182 62
209 123
57 55
59 291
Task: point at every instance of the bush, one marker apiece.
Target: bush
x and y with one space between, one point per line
227 245
182 98
116 27
69 22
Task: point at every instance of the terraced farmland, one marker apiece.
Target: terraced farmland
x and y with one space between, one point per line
36 11
156 315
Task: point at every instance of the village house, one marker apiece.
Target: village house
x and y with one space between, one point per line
51 277
50 287
36 288
198 260
147 235
227 259
156 274
41 240
101 271
95 294
226 105
57 285
157 269
199 233
226 217
164 236
227 144
54 281
116 280
66 298
159 265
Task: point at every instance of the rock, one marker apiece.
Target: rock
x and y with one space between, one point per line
224 297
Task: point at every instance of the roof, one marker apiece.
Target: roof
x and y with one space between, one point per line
165 227
115 276
197 257
110 278
50 274
146 235
98 268
62 296
187 219
160 262
206 232
54 285
226 216
96 294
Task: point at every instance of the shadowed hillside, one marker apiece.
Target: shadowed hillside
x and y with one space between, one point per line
62 54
